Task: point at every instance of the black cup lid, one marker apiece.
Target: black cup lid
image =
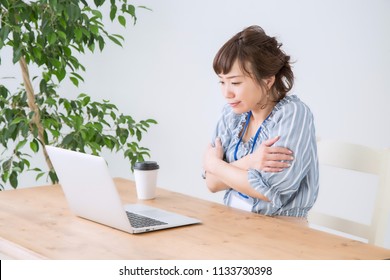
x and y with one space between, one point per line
146 165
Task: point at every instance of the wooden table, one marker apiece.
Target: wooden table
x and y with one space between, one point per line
36 223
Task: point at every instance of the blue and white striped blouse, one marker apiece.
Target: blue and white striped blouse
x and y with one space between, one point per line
293 191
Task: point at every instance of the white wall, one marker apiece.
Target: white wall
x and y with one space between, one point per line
164 71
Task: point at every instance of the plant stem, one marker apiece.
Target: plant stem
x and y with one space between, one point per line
36 119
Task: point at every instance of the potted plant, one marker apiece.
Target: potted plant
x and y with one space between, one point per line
49 34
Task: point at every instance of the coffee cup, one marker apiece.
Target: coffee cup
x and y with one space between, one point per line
145 174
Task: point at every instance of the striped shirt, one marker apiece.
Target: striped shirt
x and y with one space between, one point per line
293 191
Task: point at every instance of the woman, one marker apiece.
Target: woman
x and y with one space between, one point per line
263 154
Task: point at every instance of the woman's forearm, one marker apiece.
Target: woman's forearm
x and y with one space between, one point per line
222 175
235 177
214 184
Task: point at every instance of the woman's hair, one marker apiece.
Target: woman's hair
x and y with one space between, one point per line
259 56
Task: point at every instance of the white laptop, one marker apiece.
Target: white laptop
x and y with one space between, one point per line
92 194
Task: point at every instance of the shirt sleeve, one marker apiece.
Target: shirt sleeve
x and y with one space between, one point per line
294 124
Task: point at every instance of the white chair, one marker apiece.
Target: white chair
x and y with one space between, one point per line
362 159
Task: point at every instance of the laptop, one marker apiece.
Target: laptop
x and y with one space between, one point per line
91 194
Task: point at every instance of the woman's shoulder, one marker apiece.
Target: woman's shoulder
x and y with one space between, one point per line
291 109
291 103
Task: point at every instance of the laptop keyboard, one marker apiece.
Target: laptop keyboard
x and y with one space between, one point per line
139 221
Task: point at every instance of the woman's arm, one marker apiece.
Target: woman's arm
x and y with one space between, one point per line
266 158
294 124
214 184
222 175
236 178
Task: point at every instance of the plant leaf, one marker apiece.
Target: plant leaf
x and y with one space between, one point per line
122 20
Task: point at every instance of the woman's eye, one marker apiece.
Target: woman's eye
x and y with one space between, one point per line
221 82
236 83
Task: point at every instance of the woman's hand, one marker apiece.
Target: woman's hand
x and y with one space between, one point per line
212 154
267 158
270 159
212 157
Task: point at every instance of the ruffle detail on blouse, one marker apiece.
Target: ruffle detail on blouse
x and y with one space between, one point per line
237 122
287 99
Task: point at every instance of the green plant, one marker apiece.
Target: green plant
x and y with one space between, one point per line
49 34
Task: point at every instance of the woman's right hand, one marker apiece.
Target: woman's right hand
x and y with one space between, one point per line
267 158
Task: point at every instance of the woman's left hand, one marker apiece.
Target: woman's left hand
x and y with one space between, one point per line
212 154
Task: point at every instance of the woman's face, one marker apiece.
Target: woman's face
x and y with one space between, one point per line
241 91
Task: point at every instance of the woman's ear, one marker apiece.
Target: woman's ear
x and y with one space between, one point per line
269 82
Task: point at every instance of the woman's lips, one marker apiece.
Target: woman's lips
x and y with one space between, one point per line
234 104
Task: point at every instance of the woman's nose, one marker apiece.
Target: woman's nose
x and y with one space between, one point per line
227 92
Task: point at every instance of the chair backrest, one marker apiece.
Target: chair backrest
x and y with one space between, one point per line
363 159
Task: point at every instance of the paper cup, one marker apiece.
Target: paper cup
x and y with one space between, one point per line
145 174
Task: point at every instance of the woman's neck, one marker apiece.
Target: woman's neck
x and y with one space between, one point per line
259 115
257 119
